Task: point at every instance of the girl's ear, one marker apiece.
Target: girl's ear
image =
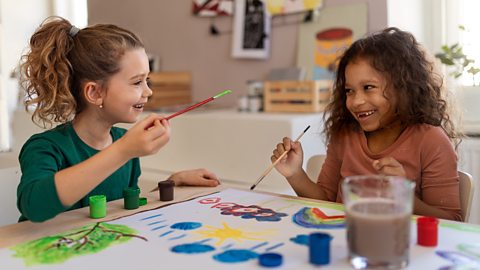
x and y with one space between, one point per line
93 93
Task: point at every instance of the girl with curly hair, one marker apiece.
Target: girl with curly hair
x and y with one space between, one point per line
87 80
387 116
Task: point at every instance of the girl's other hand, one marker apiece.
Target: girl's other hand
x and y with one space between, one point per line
291 163
389 166
146 137
198 177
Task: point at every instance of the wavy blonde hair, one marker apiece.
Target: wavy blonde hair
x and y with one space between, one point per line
59 63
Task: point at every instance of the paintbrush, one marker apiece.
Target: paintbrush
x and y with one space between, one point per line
198 104
267 171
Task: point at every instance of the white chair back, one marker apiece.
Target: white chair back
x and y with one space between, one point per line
314 165
9 179
466 193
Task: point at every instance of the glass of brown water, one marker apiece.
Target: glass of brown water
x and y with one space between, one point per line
378 213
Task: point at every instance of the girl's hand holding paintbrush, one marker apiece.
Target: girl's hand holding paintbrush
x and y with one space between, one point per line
280 153
153 132
146 137
291 163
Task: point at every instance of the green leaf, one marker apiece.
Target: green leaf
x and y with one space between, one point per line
447 61
473 70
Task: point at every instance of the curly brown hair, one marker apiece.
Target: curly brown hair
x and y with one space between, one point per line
59 62
419 89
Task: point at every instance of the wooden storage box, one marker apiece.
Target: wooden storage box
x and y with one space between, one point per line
169 89
297 96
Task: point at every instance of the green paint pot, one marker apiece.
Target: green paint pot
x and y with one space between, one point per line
98 206
131 198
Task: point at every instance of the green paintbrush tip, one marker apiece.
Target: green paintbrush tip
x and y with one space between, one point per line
223 93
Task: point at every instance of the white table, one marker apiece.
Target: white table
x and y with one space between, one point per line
235 145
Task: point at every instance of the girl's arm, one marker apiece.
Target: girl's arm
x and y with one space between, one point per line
304 187
145 138
434 173
423 209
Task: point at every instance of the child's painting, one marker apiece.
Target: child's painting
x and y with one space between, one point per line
212 8
323 41
225 230
279 7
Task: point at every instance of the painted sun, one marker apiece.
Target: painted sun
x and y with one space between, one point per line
226 233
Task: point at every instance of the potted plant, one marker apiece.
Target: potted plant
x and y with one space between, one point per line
462 65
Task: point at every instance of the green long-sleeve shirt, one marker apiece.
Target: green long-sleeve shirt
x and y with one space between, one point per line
45 154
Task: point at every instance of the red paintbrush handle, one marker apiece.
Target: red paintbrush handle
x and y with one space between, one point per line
189 108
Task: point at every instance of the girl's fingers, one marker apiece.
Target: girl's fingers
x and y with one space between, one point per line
148 121
208 175
158 129
296 146
280 148
165 122
287 143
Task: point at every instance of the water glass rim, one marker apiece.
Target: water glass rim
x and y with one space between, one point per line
407 183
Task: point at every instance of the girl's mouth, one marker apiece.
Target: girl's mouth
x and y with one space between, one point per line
365 114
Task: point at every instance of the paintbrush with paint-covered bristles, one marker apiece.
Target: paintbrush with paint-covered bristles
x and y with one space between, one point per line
267 171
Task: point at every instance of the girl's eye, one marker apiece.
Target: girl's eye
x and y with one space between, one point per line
348 91
367 87
137 83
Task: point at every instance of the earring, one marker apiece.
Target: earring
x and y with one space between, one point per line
100 106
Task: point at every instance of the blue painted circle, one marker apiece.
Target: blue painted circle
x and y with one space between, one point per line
186 226
192 248
235 256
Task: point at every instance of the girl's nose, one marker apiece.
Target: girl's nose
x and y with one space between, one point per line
147 91
358 99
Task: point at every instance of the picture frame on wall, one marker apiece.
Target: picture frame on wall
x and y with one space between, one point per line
212 8
251 30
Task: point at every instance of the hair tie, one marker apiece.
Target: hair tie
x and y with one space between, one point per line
73 31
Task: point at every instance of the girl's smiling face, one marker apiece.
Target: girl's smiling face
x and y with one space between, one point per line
127 90
367 97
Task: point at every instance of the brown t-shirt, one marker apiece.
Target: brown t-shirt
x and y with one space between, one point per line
425 152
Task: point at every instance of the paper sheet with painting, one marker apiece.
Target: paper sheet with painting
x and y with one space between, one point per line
225 230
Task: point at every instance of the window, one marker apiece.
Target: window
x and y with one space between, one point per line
471 37
17 23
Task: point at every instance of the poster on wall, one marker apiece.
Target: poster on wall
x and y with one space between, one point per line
251 30
323 41
212 8
280 7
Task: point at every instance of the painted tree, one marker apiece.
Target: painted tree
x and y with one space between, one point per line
89 239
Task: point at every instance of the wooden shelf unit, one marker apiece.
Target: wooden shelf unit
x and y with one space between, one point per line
297 96
169 89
